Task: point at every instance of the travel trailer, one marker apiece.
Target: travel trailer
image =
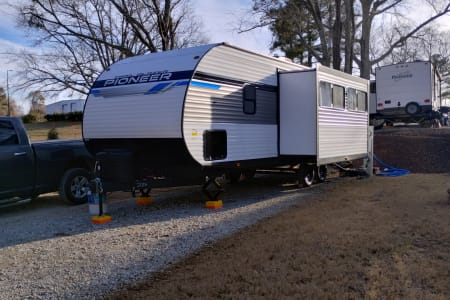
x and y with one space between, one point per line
407 92
176 117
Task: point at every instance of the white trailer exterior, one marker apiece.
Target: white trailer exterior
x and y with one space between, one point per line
408 91
187 112
323 113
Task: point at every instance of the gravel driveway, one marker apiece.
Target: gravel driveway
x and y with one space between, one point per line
50 250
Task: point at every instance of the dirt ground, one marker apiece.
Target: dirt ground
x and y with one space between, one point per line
374 238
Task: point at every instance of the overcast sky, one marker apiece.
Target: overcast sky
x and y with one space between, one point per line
218 16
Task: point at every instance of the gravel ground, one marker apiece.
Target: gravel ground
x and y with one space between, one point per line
50 250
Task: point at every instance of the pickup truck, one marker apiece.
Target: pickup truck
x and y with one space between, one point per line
29 169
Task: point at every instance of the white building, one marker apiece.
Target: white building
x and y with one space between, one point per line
65 106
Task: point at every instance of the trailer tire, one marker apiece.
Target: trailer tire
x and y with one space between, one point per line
233 176
249 174
306 176
412 108
321 173
73 186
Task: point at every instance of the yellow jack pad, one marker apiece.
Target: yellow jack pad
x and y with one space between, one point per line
101 219
214 204
144 201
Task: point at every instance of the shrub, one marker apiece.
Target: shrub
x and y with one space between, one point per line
29 118
56 117
75 116
71 116
52 134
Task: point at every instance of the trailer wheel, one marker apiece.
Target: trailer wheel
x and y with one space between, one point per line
233 176
412 108
306 176
249 174
74 186
321 173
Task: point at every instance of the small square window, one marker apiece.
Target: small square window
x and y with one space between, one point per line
325 94
351 99
338 96
249 99
362 101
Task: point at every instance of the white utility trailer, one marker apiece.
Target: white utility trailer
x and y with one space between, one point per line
174 117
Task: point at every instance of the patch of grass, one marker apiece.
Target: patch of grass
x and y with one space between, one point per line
66 130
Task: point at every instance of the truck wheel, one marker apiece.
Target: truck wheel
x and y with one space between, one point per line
412 108
74 186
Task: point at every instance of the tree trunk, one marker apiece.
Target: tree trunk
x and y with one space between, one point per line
364 42
337 36
349 35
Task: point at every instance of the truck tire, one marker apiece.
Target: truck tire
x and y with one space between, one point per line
74 185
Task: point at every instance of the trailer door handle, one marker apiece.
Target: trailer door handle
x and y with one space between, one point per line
19 153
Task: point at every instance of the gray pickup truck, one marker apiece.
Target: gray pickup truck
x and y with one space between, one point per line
29 169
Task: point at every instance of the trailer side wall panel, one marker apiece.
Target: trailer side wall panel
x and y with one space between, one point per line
215 101
332 132
298 117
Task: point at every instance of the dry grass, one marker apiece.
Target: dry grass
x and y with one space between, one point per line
378 238
66 130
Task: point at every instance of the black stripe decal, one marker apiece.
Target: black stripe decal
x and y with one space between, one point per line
225 80
143 78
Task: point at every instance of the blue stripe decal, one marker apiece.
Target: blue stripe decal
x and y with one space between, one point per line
158 88
205 85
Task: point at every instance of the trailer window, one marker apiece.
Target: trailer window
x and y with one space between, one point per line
249 100
351 99
214 145
325 94
362 101
331 95
338 96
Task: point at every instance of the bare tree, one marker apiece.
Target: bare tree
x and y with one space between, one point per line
13 110
346 28
79 39
37 101
369 9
